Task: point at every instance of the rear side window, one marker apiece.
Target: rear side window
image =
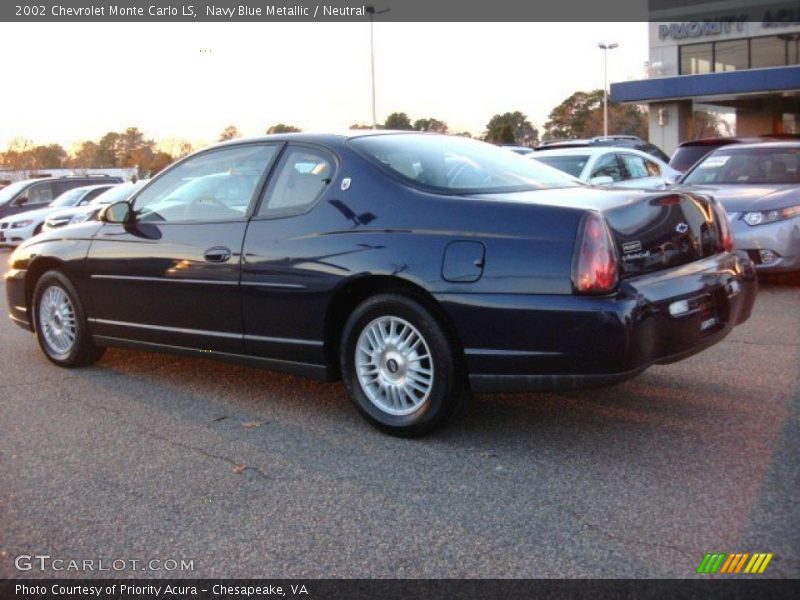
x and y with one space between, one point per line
608 166
301 178
39 193
69 184
634 166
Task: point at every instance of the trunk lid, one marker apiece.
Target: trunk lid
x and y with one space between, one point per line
652 230
664 230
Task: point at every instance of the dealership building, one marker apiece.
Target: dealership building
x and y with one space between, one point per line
742 60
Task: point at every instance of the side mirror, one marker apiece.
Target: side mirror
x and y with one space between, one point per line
119 212
601 180
21 201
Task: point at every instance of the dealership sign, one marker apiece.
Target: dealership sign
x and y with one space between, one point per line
774 17
693 29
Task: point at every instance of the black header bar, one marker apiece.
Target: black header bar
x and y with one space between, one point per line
599 11
394 589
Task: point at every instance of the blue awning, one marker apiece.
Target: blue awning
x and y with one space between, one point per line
775 79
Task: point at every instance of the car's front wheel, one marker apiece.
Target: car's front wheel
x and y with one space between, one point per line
400 366
60 322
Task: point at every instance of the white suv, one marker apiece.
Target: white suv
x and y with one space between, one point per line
19 227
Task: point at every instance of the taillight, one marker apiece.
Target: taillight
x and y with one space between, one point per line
725 236
594 266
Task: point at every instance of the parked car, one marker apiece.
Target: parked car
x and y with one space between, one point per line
21 226
620 167
759 186
30 194
617 141
79 214
364 257
690 152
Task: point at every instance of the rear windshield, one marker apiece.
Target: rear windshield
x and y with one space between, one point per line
573 165
748 166
686 156
454 164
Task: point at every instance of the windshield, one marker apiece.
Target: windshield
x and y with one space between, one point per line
70 198
11 190
572 165
118 193
454 164
748 166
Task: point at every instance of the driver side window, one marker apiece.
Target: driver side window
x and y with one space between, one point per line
213 186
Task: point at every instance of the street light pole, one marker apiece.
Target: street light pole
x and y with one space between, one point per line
372 12
606 47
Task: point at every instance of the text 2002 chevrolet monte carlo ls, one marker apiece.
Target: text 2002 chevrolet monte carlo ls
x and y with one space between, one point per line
416 267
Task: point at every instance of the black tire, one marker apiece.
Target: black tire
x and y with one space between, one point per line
81 352
447 390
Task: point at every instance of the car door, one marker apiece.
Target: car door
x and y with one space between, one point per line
286 271
171 277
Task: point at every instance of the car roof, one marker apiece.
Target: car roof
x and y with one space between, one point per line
99 178
718 141
590 151
334 138
766 138
322 136
762 145
94 186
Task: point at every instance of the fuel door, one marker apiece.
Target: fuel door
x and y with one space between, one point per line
463 261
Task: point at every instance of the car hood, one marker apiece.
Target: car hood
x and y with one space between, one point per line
737 198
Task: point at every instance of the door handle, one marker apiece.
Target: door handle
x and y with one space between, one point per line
218 254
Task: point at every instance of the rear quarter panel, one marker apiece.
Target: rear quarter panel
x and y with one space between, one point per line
293 266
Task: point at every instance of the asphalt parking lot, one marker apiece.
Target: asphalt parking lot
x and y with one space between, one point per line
253 474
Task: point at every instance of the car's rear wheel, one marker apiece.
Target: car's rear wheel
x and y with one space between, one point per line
60 322
400 366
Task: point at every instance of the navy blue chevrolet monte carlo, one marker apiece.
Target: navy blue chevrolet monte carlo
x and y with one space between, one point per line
415 267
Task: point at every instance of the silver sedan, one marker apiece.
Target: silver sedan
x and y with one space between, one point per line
609 166
759 186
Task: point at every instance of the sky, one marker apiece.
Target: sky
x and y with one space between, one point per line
70 82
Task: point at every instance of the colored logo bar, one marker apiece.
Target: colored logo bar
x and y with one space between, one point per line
731 564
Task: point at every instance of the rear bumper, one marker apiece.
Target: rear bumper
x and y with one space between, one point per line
535 342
